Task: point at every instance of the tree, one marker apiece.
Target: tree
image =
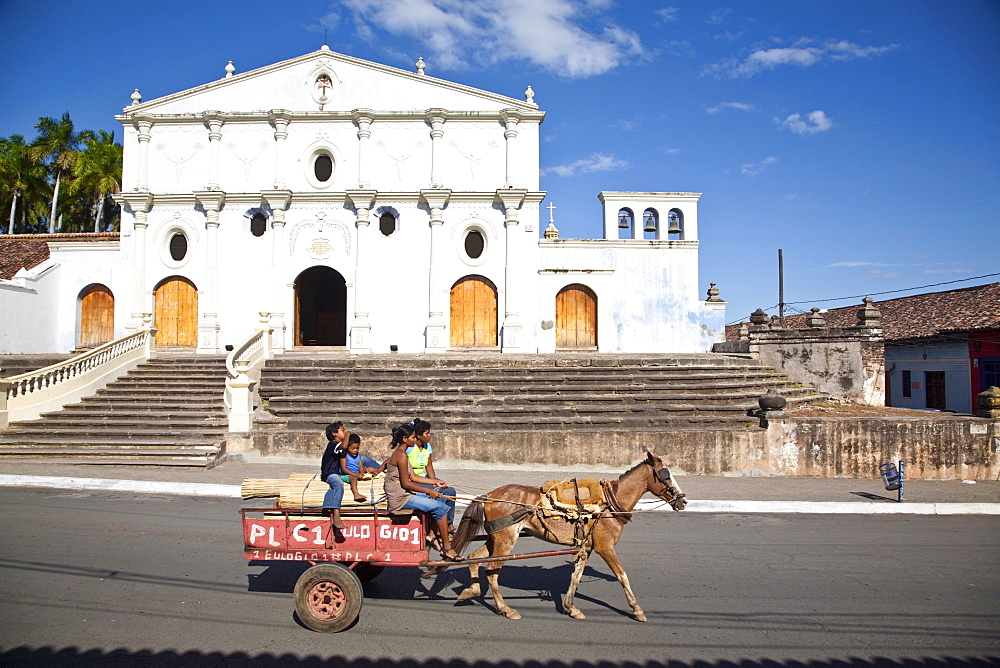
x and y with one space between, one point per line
98 173
22 179
58 143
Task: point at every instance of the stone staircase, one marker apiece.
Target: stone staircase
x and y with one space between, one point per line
167 411
505 393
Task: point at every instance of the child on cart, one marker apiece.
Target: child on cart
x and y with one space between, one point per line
354 466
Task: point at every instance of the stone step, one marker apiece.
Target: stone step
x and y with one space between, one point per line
125 439
112 458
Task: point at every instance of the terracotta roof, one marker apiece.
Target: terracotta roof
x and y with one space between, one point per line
30 250
919 316
18 251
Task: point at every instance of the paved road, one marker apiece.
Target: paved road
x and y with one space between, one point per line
98 578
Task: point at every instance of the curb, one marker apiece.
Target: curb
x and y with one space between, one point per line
645 505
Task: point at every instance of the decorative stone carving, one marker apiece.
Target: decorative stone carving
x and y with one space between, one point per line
815 318
759 321
552 233
420 65
771 401
988 402
868 315
713 293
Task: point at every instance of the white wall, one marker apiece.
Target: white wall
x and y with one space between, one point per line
29 322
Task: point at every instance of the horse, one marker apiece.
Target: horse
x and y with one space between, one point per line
600 533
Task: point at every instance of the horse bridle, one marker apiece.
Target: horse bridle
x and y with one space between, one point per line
663 476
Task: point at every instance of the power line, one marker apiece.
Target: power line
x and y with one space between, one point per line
889 292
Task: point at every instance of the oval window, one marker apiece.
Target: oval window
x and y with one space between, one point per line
474 244
323 167
387 223
258 225
178 247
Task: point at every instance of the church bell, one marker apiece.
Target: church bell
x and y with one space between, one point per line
623 220
673 223
650 222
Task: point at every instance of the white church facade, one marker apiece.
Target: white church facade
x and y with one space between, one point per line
367 208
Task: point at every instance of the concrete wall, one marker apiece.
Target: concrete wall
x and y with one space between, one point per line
942 448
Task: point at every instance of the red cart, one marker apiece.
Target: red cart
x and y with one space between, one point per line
328 596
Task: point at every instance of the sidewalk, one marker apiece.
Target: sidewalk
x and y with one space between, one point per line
705 493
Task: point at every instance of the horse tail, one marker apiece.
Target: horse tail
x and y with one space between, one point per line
470 526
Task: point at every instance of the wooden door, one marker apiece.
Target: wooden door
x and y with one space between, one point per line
576 317
97 316
935 389
175 312
473 313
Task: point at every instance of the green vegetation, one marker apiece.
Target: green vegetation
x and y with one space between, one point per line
62 181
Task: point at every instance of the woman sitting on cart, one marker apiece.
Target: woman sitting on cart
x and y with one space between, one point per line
402 487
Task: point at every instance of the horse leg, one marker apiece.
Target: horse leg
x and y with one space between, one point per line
502 545
574 582
610 557
474 589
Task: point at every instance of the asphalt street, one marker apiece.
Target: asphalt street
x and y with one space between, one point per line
95 577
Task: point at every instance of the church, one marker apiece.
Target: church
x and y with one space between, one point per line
357 206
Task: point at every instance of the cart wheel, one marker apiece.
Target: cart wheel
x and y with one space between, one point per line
367 572
328 598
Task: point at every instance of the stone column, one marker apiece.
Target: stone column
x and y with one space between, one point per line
361 328
436 119
511 200
213 120
208 327
510 119
279 117
436 339
363 118
139 203
142 178
278 201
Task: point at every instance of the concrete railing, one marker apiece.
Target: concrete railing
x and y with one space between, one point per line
28 395
243 367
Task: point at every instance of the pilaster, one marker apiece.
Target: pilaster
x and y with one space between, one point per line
435 337
139 203
208 327
278 201
361 329
512 200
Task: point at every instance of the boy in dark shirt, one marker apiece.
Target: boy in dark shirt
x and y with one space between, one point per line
330 470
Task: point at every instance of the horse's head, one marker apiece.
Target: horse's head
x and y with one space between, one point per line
663 485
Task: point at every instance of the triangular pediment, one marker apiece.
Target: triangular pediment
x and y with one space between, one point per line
328 81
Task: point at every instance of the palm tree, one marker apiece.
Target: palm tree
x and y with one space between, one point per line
21 178
98 171
58 142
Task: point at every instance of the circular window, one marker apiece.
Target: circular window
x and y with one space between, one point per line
178 247
474 244
258 225
387 223
323 167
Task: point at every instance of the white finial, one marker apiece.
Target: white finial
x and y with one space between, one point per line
529 97
136 97
550 207
551 232
324 48
420 65
230 69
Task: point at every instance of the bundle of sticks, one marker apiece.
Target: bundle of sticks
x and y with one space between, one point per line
306 490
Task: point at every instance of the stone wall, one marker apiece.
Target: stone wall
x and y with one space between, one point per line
932 447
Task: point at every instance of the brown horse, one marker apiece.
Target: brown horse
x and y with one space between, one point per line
599 534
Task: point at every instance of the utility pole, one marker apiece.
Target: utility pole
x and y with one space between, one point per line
781 288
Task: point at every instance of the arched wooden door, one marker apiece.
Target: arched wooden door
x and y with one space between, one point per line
320 308
175 312
473 313
97 316
576 317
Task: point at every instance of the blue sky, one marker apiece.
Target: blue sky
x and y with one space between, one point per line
861 137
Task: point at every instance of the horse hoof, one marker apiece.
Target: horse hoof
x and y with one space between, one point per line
512 614
640 616
576 614
467 594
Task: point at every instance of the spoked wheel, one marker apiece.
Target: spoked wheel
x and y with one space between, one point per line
367 572
328 598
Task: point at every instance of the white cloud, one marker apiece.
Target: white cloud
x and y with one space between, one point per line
802 54
552 34
814 122
852 263
754 168
719 15
672 151
598 162
739 106
667 13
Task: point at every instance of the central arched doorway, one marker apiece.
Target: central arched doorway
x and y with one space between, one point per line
320 308
473 313
576 317
175 312
97 316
